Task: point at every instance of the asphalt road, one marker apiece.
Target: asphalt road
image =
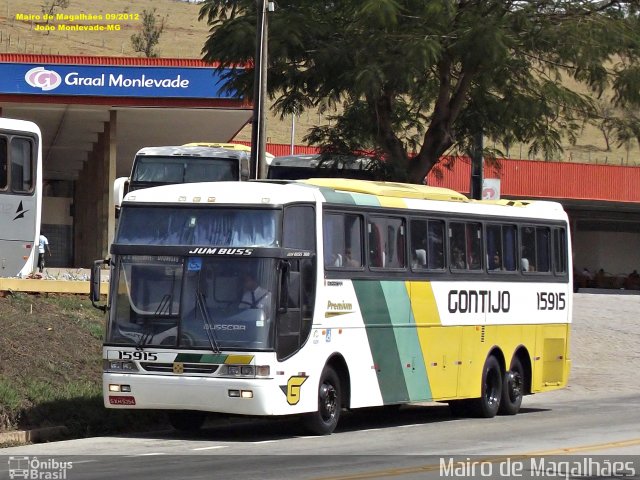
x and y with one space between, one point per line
596 417
379 443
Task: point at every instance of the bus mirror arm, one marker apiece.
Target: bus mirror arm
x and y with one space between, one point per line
283 297
94 284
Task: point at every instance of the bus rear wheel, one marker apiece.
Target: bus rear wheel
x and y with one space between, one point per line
186 421
512 389
489 402
325 419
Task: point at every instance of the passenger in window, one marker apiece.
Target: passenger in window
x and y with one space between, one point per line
458 259
525 266
349 261
494 262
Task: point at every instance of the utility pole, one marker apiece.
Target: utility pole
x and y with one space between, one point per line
258 131
477 167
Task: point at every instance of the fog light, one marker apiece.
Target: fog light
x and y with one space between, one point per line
247 394
234 393
263 371
114 388
125 388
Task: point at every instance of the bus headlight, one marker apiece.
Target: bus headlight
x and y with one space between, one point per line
119 366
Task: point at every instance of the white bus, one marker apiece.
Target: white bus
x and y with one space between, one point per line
312 165
20 196
154 166
308 297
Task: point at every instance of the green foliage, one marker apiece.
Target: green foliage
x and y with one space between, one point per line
413 80
146 40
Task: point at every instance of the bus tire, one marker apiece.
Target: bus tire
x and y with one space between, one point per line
325 419
187 421
512 389
491 393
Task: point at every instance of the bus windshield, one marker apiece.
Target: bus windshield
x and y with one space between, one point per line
223 227
193 302
154 170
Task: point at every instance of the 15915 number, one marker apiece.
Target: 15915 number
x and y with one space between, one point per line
551 301
137 356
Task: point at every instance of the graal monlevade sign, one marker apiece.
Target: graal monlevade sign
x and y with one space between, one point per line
107 80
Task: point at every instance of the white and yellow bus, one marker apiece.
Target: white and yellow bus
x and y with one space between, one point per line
309 297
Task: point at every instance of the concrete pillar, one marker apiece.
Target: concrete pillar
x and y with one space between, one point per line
109 178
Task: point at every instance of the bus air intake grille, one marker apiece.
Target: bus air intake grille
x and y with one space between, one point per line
188 367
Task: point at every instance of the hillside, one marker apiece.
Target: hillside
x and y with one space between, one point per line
184 36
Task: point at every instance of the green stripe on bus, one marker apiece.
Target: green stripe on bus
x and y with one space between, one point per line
411 358
364 199
331 196
200 358
382 341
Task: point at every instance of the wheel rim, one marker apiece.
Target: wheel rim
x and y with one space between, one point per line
492 388
328 402
514 386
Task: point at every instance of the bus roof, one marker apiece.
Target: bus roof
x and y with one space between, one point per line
343 191
389 189
190 151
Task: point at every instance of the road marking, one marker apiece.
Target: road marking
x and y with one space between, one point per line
76 462
412 425
309 436
396 472
597 446
146 454
214 447
265 441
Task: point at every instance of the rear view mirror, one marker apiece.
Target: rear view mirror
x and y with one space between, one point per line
94 284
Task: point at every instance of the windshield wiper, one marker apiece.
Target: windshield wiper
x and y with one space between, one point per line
164 308
209 325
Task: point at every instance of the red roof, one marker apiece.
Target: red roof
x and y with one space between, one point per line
552 180
94 60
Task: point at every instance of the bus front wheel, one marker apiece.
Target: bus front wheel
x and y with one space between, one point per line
325 419
512 389
186 421
489 402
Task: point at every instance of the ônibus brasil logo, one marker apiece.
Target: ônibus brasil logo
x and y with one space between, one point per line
42 78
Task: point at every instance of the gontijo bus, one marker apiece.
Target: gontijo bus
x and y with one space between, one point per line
362 294
20 196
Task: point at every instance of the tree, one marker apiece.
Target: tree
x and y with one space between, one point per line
146 40
416 79
49 7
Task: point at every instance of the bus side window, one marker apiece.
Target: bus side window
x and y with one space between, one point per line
342 240
457 246
386 242
299 227
528 249
435 257
501 247
560 250
21 156
474 245
543 249
427 244
4 163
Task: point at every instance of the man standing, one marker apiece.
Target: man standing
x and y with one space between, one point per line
42 244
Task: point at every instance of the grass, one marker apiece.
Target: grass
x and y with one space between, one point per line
51 365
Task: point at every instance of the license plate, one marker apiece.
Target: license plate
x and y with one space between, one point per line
127 400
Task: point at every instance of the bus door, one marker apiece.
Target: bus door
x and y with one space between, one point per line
297 280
